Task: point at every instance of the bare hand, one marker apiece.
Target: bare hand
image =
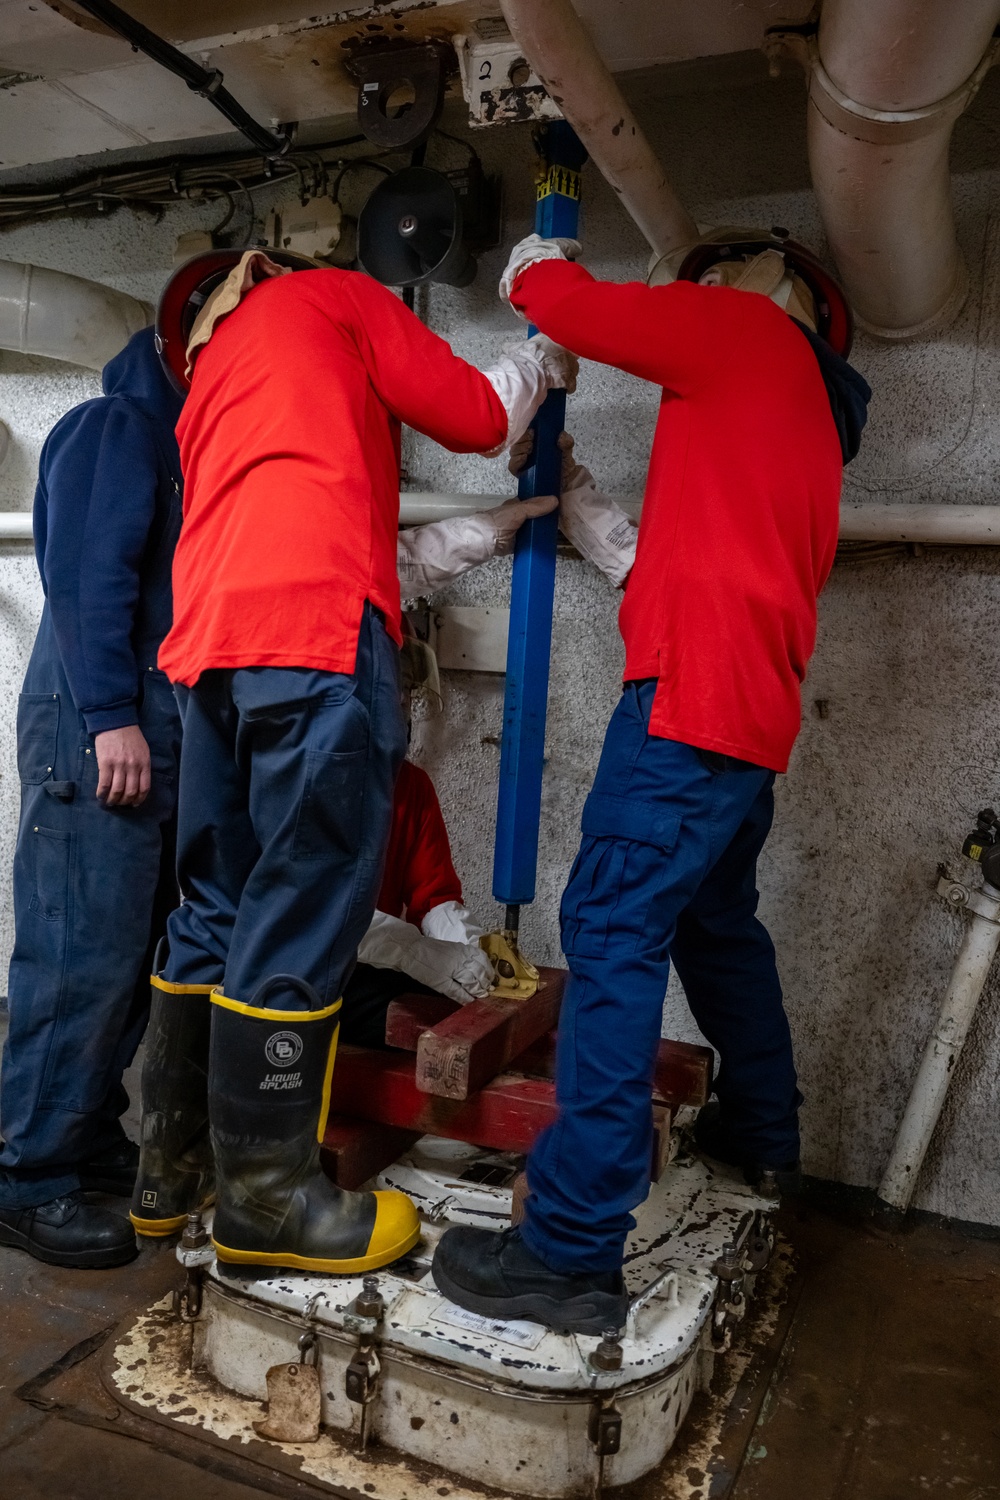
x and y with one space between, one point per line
123 774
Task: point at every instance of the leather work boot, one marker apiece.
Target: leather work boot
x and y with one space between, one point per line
175 1174
714 1140
113 1171
269 1095
498 1276
69 1231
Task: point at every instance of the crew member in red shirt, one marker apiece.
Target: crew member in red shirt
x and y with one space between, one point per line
422 938
284 656
759 412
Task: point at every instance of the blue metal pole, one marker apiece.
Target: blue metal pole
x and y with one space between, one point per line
522 746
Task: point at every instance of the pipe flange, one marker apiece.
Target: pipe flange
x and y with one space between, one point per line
944 316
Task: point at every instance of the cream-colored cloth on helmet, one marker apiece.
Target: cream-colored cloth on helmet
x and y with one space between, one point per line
767 274
253 267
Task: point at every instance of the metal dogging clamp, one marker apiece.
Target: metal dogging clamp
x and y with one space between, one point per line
362 1374
194 1252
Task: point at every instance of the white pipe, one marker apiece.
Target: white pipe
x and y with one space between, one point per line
65 317
944 1046
889 78
560 50
941 525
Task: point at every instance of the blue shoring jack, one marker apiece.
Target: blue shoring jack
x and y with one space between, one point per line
522 746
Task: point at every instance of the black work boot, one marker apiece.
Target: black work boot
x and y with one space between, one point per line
714 1139
175 1174
69 1231
112 1171
498 1276
269 1095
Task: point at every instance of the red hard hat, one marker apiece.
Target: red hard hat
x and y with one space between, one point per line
834 321
186 293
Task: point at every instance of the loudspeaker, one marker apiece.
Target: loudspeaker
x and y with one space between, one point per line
410 231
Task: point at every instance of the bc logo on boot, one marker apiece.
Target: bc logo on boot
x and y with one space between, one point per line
283 1049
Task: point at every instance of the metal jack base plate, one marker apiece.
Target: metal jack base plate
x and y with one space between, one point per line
416 1393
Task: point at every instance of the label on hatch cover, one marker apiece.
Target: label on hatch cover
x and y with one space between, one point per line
524 1335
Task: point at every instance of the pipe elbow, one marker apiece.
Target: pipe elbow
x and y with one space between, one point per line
60 316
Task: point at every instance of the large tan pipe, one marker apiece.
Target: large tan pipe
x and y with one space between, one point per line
889 79
65 317
560 51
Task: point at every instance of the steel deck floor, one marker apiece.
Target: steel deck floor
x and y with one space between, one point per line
878 1383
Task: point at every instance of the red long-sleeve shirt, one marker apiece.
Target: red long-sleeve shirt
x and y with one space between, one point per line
289 444
741 509
419 873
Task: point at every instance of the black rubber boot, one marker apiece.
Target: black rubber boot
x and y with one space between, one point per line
714 1139
69 1231
175 1174
113 1171
498 1276
269 1096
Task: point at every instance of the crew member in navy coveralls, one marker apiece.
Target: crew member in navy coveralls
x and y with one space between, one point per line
759 412
98 740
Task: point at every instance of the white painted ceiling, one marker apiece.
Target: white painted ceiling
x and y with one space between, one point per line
68 88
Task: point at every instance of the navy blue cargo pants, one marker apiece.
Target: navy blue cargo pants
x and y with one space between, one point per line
93 887
666 871
287 779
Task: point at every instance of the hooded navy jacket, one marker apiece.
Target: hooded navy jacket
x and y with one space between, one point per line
106 518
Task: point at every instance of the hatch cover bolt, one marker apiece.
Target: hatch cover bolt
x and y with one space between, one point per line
608 1354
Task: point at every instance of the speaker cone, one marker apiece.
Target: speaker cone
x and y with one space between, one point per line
410 231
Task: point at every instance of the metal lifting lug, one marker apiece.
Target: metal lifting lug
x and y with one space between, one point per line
606 1430
361 1377
759 1246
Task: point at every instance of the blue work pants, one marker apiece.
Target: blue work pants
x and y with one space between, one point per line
286 790
93 886
666 869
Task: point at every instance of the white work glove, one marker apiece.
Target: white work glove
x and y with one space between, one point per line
597 527
523 377
461 971
526 252
451 922
430 557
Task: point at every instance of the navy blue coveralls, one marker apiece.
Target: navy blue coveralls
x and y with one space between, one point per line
93 885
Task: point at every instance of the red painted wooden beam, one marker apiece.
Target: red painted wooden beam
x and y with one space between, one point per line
464 1051
683 1071
506 1115
353 1151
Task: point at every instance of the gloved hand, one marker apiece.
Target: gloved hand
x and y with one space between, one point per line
526 252
597 527
431 557
523 377
451 922
461 971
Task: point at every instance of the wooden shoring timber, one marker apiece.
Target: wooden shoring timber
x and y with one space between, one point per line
506 1115
462 1052
353 1151
683 1071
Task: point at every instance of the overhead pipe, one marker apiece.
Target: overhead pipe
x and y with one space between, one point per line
65 317
559 49
933 525
887 81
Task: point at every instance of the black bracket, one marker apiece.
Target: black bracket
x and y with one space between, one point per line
382 72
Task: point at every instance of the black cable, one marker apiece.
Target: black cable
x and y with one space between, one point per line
204 81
